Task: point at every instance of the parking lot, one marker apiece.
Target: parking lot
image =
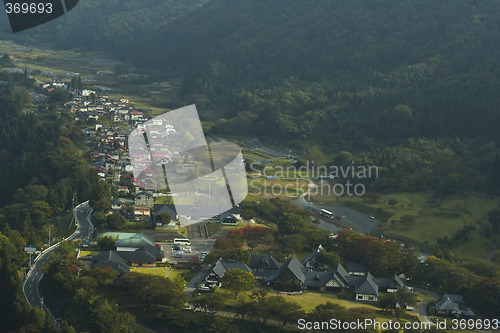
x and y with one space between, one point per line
197 247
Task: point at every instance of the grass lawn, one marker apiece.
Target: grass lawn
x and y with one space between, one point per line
310 300
433 217
213 228
86 253
160 271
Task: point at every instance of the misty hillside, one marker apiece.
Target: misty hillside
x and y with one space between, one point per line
311 39
431 68
104 25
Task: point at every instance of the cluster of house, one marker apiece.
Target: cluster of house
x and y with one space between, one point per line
293 276
100 105
146 205
131 250
49 86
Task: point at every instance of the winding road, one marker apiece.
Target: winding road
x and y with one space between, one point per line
84 230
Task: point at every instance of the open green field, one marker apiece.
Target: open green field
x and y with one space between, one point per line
310 300
422 218
86 253
160 271
138 89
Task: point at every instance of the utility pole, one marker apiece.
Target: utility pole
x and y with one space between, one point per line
72 210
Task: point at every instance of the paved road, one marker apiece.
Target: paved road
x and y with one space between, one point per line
359 222
423 312
31 284
423 308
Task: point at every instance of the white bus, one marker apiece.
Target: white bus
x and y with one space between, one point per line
327 213
182 241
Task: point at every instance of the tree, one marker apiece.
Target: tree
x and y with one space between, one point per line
212 303
59 96
237 280
387 301
115 221
106 242
290 224
6 61
392 202
328 259
106 318
405 298
163 218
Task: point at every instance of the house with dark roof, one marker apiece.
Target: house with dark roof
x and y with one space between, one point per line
333 280
111 259
389 285
144 247
134 242
214 276
139 258
295 276
263 265
365 288
453 305
355 268
117 205
163 208
311 260
144 199
289 277
231 216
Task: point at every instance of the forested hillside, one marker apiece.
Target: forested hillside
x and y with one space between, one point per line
104 25
41 172
340 69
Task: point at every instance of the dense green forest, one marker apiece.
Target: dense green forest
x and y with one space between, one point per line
104 25
410 86
41 172
336 70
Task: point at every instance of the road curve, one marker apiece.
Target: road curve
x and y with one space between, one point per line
31 284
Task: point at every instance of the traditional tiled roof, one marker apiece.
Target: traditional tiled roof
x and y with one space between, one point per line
313 254
367 286
111 259
141 255
263 261
393 281
294 266
446 304
221 266
138 240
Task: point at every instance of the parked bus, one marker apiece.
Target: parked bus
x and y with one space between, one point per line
327 213
182 241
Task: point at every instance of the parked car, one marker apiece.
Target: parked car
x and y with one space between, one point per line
187 249
176 247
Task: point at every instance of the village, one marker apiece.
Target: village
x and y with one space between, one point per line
109 121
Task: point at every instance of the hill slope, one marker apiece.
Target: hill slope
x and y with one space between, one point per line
109 25
431 68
